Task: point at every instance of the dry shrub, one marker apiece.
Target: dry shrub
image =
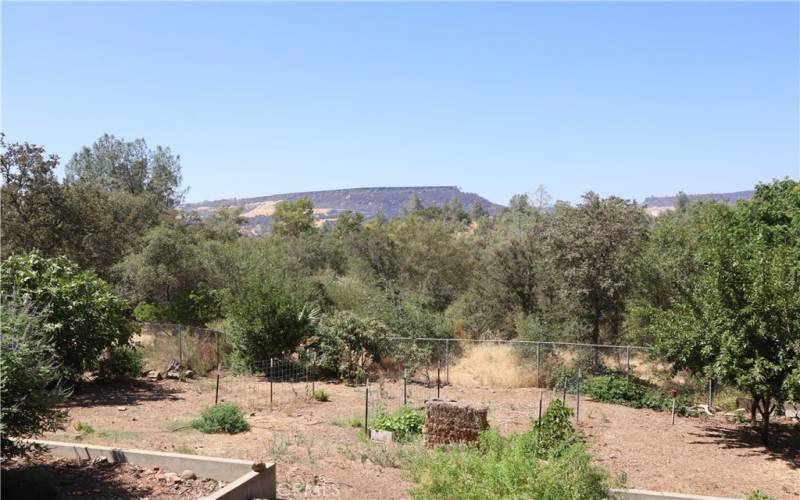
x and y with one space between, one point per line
493 366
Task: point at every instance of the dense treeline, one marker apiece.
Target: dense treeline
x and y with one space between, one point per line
698 281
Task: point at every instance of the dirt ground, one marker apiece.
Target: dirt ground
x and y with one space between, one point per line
56 478
319 454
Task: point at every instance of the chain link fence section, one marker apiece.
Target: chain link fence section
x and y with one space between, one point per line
194 348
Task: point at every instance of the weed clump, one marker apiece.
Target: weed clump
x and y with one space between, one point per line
321 395
549 461
221 418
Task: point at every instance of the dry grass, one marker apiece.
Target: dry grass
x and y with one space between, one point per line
492 366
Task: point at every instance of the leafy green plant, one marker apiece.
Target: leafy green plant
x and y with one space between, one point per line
346 345
29 388
266 320
405 423
632 391
80 312
120 362
321 395
758 495
83 429
221 418
512 467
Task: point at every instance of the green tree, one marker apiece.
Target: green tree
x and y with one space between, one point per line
739 323
29 379
80 311
595 246
92 227
414 204
266 320
117 165
292 218
348 222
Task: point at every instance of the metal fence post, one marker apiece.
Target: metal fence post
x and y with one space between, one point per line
578 401
405 382
269 377
447 361
627 362
564 395
438 379
710 393
366 408
541 400
216 392
180 346
538 381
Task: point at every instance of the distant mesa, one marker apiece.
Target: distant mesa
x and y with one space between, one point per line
371 201
656 205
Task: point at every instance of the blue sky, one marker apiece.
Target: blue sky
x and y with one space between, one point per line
631 99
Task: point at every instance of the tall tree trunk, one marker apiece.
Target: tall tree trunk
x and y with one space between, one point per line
754 409
765 410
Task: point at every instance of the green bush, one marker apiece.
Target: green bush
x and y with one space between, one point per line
758 495
221 418
266 320
29 388
346 345
81 313
321 395
121 362
405 423
512 467
632 391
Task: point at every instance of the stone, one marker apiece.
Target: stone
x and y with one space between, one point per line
172 477
100 460
188 474
173 374
121 408
258 467
188 374
154 375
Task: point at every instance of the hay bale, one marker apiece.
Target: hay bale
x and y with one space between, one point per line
449 422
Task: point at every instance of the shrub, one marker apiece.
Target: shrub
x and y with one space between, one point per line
758 495
321 395
221 418
121 362
346 345
81 313
511 467
266 321
632 391
405 423
29 387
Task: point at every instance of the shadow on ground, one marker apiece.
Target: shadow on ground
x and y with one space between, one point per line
120 393
784 440
63 482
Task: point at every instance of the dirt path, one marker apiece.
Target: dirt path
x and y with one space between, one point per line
317 452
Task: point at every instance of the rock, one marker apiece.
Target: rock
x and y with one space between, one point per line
258 467
173 374
188 474
121 408
100 460
172 477
154 375
188 374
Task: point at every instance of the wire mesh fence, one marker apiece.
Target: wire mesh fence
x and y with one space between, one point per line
408 371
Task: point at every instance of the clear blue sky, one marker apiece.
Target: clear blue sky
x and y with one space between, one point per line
630 99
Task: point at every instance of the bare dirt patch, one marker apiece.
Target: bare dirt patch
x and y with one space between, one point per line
318 452
58 478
